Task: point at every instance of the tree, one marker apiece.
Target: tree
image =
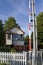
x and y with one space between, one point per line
40 27
26 38
1 33
10 23
32 39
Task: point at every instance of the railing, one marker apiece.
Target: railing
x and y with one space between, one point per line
21 58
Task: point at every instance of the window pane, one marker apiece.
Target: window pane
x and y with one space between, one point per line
9 36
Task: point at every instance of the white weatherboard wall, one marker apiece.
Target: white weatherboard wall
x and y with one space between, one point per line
8 41
16 30
18 42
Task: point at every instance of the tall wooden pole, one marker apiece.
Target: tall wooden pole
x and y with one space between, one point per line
34 54
33 16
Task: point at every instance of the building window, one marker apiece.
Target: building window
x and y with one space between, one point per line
9 36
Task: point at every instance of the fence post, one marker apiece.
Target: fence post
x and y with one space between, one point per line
25 58
41 58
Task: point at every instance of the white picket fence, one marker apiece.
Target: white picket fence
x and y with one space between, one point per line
21 58
13 58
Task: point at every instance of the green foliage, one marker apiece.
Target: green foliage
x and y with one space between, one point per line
32 38
40 27
10 23
3 64
1 34
12 50
26 38
7 48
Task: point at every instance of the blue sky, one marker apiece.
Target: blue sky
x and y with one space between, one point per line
19 10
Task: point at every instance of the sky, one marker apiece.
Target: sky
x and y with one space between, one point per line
19 10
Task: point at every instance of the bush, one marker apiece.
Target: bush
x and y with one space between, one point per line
12 50
3 64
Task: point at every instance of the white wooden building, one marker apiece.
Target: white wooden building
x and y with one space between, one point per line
14 36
